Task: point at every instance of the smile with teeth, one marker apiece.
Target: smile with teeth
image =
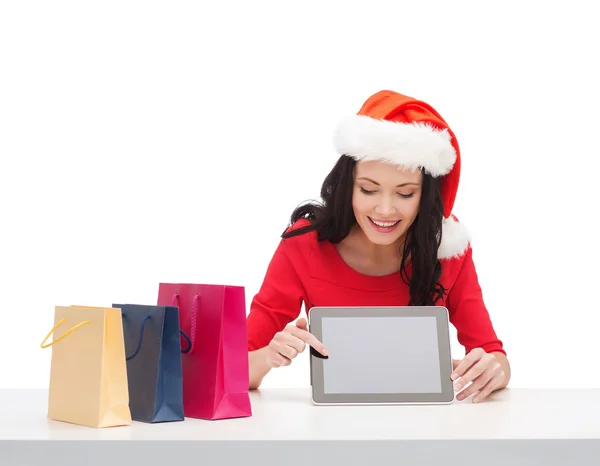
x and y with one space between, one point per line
384 224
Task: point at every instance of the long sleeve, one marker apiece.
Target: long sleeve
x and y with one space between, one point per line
468 312
278 302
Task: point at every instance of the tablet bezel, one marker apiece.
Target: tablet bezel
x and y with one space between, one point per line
317 313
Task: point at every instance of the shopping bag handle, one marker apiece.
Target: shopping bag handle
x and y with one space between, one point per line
139 345
189 342
192 339
67 333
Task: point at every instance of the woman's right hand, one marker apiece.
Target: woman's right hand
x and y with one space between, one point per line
290 342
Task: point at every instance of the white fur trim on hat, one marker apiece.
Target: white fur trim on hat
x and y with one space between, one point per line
455 239
412 145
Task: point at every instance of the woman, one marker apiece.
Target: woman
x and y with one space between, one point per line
384 235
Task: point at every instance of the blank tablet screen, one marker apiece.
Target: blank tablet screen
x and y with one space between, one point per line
405 358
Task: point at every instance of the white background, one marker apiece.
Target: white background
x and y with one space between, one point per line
170 141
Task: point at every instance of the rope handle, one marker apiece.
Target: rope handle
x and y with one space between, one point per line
67 333
192 339
189 342
139 345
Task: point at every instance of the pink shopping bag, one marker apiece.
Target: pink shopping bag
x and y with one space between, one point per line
215 369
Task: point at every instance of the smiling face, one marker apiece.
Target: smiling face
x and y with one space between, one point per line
385 200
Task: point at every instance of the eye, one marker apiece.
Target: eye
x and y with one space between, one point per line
406 196
364 191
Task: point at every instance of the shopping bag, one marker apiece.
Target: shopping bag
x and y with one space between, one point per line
88 377
215 369
153 362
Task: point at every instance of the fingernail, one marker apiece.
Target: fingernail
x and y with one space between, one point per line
475 400
324 352
457 387
317 354
454 376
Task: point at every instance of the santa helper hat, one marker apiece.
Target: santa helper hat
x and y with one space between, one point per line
401 130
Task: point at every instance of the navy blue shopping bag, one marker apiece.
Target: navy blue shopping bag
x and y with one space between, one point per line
153 353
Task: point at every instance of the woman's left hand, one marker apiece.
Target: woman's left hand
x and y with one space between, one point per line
482 369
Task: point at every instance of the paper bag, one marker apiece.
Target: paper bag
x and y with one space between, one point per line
88 376
215 370
153 362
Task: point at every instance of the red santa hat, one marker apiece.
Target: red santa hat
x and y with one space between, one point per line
398 129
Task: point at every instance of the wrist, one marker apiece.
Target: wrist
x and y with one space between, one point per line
258 367
502 359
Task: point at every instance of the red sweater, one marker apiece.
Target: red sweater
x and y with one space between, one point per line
304 270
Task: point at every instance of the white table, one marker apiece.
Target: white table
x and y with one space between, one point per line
514 427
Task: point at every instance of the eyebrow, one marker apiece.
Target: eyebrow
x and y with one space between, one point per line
375 182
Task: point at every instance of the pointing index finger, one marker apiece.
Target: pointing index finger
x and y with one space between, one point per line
309 339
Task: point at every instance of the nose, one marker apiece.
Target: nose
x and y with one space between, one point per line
385 207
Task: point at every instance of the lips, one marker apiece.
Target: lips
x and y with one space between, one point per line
384 226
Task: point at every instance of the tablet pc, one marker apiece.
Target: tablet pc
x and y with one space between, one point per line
381 355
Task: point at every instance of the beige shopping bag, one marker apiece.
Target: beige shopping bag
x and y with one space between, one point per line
88 373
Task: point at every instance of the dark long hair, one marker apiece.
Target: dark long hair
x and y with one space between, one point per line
334 217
